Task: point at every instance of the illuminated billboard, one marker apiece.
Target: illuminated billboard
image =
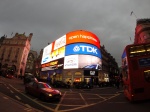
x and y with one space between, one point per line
74 61
60 42
82 61
83 37
46 54
58 53
55 64
73 48
82 48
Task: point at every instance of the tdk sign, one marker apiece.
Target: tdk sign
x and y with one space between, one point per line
85 49
82 48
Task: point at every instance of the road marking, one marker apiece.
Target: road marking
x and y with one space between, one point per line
28 109
5 97
68 110
73 98
57 107
83 99
117 102
70 90
115 95
10 85
27 105
18 97
101 97
11 91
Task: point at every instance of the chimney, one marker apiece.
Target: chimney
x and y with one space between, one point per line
30 36
16 34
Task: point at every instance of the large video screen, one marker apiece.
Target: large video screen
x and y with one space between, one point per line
78 45
82 61
83 37
55 64
82 48
74 62
46 54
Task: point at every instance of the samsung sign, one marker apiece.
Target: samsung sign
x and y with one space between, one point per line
82 48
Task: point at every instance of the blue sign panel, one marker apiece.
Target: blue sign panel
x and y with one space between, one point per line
82 48
144 62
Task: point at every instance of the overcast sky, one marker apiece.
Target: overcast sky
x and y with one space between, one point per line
48 20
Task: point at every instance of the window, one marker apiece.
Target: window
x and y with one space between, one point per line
147 75
35 85
139 50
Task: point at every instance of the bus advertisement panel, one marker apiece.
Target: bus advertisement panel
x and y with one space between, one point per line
136 71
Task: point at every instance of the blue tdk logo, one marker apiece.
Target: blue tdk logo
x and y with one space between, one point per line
83 48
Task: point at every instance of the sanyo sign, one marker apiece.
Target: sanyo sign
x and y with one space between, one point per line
82 48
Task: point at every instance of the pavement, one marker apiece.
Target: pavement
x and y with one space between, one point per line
8 104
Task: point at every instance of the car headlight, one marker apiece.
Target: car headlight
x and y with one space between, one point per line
49 94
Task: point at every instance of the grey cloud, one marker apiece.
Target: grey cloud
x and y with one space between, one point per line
48 20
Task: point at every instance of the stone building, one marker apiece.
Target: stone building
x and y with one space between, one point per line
13 54
104 73
30 65
108 72
110 67
37 63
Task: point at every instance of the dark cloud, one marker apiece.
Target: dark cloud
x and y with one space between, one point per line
48 20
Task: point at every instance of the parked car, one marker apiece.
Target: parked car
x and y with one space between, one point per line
28 77
104 84
43 91
83 85
60 84
10 76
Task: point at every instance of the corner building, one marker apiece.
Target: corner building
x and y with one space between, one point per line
13 54
73 57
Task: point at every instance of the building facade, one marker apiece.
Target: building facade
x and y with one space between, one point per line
13 54
37 66
142 31
30 65
110 67
77 61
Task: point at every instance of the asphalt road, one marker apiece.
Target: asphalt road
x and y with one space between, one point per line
108 99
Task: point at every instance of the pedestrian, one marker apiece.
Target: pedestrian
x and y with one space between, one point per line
118 82
48 80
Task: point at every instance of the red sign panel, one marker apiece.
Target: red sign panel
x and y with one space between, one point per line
82 37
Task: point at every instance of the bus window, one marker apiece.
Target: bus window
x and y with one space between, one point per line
147 75
137 51
125 73
148 48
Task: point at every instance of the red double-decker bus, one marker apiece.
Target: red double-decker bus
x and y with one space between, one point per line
136 71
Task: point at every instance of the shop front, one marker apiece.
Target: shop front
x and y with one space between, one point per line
91 76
